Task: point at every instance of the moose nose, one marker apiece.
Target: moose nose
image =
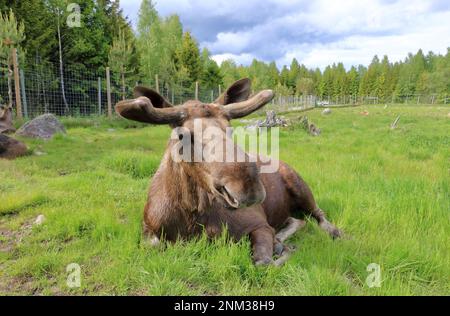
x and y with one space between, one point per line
256 196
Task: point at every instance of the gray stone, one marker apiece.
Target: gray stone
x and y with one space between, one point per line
327 111
271 121
11 148
44 126
39 220
311 128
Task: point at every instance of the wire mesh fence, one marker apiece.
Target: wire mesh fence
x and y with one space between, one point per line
84 92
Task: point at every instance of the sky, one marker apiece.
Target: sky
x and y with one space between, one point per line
316 32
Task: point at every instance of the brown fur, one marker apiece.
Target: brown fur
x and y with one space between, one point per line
6 123
11 148
184 198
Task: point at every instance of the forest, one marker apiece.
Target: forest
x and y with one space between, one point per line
159 47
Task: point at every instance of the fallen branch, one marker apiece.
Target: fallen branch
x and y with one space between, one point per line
394 124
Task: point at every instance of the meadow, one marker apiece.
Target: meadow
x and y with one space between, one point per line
388 190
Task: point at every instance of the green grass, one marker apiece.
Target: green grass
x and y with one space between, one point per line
387 189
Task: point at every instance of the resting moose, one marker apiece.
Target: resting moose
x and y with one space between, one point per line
6 123
187 198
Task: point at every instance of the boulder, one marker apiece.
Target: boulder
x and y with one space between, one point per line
327 111
6 123
44 127
11 148
309 127
271 121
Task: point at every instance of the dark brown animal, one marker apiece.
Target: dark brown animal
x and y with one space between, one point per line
11 148
6 123
187 198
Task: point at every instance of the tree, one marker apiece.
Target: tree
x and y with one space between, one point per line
305 86
119 59
187 59
353 81
211 76
11 36
230 73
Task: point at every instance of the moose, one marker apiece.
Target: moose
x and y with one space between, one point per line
187 198
6 123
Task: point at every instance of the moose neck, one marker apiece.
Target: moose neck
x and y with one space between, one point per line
185 186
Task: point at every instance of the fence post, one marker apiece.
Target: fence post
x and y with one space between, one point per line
108 91
196 90
99 88
157 83
24 94
17 84
173 98
212 96
220 90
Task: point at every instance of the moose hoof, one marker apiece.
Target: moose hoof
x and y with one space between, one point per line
278 249
332 230
152 241
264 262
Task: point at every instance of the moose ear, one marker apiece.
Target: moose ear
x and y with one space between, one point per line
157 100
238 92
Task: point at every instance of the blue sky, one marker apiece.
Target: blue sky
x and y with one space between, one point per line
316 32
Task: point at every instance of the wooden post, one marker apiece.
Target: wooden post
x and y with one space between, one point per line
157 83
196 90
173 97
17 84
220 90
99 88
24 94
108 91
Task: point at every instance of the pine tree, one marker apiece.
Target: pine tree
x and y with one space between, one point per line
188 59
211 76
12 34
119 59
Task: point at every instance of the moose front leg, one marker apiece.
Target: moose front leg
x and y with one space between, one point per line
150 237
292 226
262 240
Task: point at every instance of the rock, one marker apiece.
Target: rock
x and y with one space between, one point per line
314 130
44 126
39 220
11 148
327 111
6 123
311 128
271 121
39 153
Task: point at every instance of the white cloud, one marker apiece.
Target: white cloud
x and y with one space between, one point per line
317 33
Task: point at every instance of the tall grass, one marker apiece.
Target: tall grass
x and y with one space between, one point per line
387 189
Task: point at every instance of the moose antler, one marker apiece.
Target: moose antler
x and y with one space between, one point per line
244 108
141 109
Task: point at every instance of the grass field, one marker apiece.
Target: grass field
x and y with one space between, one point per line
387 189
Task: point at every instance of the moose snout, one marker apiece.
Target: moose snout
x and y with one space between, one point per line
242 197
255 196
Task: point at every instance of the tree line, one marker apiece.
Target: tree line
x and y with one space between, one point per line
161 49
